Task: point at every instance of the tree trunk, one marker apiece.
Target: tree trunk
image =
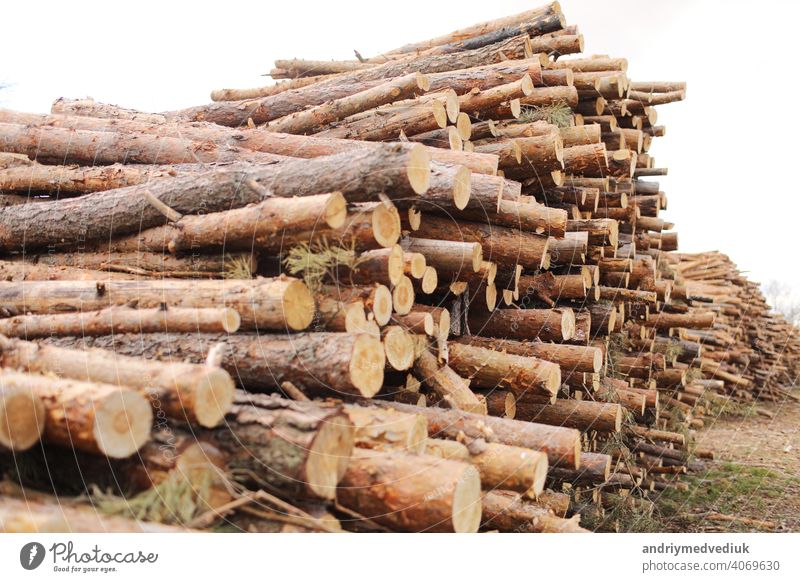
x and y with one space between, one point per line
412 493
258 139
187 392
146 264
96 418
262 303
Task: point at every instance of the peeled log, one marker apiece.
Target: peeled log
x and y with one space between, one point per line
489 368
22 417
262 303
188 392
325 363
569 358
119 320
301 449
562 445
525 324
412 493
96 418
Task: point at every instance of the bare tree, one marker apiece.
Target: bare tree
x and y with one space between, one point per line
781 298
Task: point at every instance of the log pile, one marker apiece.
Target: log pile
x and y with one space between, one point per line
425 291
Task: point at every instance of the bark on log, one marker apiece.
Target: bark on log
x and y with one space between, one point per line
278 303
188 392
96 418
22 418
562 445
325 363
300 449
447 384
359 175
488 368
507 511
569 358
524 324
583 415
412 493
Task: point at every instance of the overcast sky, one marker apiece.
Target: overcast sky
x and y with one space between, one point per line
731 147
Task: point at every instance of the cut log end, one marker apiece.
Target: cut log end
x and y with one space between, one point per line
399 347
21 418
382 305
336 210
329 455
414 218
367 363
386 225
419 169
231 320
403 296
466 502
122 423
464 126
214 397
430 280
298 305
461 187
567 324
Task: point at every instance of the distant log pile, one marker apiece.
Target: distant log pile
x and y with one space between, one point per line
425 291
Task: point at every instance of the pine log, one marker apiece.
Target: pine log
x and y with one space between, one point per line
189 392
562 445
508 512
301 449
257 139
263 303
525 324
412 493
447 384
379 428
584 415
569 358
488 368
96 418
325 363
359 175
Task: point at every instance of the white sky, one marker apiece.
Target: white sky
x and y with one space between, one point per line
729 147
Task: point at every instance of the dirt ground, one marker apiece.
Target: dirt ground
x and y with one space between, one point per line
756 472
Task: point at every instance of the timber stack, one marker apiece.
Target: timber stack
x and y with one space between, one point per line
425 291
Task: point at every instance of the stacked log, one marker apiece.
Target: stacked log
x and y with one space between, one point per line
408 292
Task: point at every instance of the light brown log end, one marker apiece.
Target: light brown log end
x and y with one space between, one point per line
298 305
403 296
367 363
21 418
399 347
419 169
122 422
214 397
462 186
